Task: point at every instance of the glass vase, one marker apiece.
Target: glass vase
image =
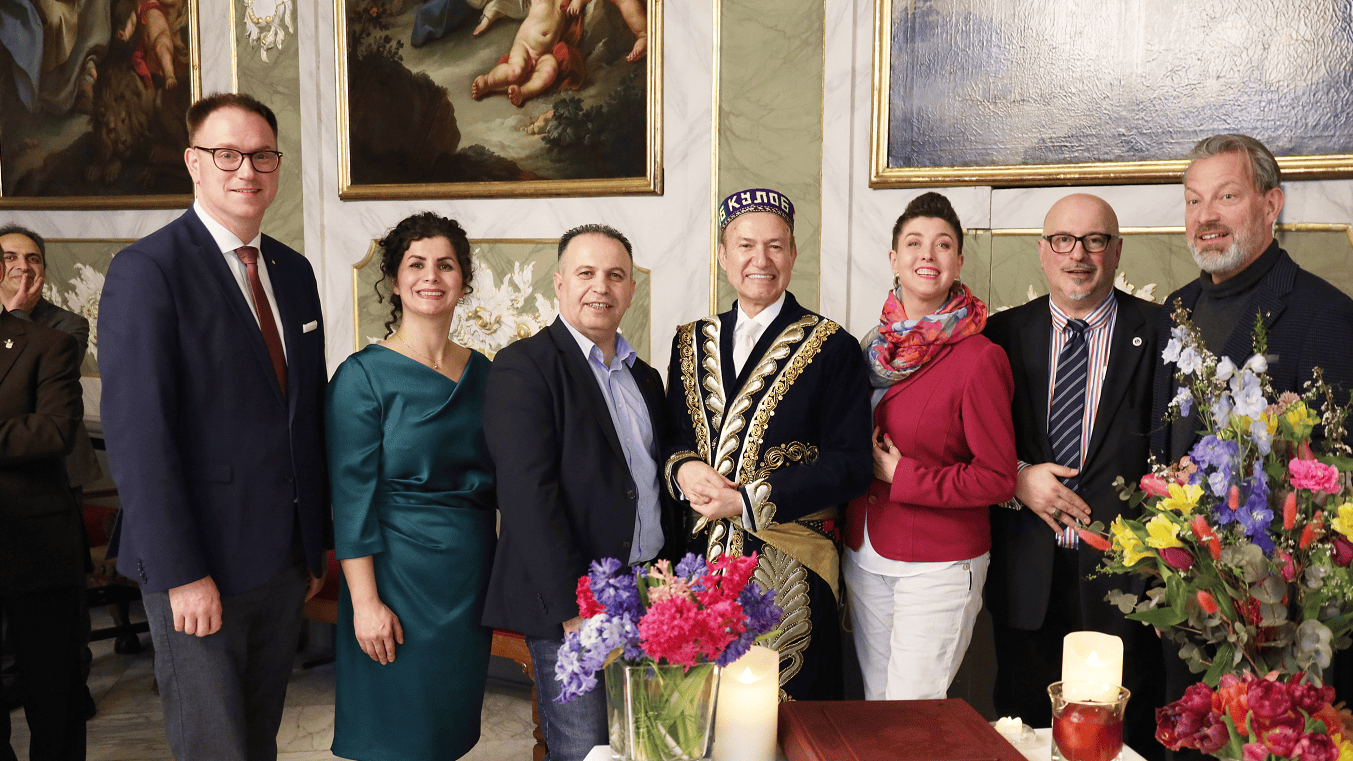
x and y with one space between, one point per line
661 713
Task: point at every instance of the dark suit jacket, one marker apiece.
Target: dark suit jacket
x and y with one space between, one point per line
565 493
213 463
1020 578
41 545
1309 323
82 465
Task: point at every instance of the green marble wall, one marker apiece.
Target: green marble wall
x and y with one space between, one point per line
1156 261
770 119
276 82
75 272
513 298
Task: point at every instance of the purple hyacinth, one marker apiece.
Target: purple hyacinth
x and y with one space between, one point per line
763 615
616 592
692 566
585 651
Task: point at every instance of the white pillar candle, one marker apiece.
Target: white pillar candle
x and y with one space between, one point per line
749 704
1092 666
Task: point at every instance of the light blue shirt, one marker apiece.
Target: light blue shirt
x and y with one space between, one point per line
633 426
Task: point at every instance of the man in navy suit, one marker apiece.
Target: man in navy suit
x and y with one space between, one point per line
1038 588
212 357
574 422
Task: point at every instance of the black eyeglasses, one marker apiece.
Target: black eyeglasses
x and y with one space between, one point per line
229 159
1063 243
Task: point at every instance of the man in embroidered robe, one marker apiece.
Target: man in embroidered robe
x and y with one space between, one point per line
770 403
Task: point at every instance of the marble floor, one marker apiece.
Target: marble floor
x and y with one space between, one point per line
130 727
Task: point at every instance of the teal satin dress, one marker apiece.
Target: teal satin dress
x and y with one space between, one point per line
412 487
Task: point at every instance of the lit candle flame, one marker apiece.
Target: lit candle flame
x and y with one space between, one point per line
747 677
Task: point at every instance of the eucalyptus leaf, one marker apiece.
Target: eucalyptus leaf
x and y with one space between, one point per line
1126 603
1270 590
1247 559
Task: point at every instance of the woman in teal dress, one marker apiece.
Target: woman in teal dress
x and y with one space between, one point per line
413 514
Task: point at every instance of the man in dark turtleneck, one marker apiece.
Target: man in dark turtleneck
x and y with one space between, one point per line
1232 197
1231 200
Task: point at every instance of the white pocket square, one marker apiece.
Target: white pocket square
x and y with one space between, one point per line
309 326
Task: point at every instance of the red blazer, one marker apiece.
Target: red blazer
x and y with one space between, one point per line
951 421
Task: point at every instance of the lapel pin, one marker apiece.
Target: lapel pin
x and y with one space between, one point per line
1136 340
9 343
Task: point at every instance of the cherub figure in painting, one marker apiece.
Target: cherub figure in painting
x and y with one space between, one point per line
544 54
155 51
636 18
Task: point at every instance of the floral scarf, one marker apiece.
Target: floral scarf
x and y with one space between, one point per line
899 346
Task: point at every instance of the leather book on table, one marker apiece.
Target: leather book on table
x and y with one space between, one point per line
889 730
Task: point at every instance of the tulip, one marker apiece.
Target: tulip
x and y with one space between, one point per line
1289 566
1177 558
1155 485
1290 511
1209 604
1093 539
1343 550
1269 699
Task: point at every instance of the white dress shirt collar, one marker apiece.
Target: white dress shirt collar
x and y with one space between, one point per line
763 319
225 240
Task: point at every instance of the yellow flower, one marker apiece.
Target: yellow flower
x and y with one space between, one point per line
1302 420
1345 750
1161 532
1344 522
1127 543
1182 499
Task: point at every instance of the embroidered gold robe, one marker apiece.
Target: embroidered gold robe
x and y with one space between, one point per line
793 429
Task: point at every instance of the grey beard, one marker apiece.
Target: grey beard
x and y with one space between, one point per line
1225 261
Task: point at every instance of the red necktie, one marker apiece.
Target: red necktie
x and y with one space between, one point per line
249 255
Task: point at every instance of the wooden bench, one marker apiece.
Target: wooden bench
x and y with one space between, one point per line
323 607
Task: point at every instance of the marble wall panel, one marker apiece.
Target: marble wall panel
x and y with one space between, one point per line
770 114
271 73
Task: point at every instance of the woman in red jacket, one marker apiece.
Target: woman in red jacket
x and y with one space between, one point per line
944 450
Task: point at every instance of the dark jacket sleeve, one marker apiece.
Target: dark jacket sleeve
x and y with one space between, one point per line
49 430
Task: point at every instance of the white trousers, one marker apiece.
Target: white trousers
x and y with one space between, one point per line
912 631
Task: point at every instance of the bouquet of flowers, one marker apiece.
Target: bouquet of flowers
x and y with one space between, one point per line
1259 720
1249 538
695 617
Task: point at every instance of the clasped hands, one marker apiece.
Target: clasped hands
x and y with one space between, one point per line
709 493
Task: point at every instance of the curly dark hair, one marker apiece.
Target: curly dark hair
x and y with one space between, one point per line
396 243
931 205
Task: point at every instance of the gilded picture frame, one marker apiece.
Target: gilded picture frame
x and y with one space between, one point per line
1041 111
104 129
439 119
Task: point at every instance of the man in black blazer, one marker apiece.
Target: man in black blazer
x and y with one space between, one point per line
1036 589
42 551
574 422
1232 197
211 349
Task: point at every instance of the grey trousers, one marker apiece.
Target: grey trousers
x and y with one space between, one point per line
223 694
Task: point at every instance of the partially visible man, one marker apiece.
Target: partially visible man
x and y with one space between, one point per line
1083 358
574 421
42 555
211 349
771 406
21 280
1232 197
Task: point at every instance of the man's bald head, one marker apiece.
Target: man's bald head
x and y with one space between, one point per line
1079 280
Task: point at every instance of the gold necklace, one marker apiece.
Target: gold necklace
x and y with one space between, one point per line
421 355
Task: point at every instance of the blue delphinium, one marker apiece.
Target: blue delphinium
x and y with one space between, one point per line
1248 394
1254 514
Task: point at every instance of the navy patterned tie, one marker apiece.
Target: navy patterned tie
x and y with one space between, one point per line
1066 415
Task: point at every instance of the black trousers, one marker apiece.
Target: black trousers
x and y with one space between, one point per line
1028 661
49 630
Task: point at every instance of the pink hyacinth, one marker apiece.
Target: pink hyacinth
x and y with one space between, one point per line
1313 475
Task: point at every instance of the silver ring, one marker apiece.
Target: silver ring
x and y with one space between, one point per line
1057 514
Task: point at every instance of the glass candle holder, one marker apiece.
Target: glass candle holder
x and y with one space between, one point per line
1090 727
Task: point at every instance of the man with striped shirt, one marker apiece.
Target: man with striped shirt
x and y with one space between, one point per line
1083 359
